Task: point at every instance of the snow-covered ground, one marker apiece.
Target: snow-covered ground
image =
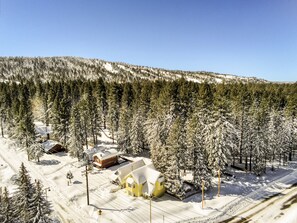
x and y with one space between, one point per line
70 203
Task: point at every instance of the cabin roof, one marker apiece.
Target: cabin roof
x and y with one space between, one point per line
42 129
125 170
49 144
106 153
146 173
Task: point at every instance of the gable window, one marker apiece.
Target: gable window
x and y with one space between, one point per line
131 185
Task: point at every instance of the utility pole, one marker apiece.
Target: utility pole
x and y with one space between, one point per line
150 209
202 193
219 182
87 182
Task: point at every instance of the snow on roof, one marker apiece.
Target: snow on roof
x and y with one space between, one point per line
125 170
49 144
146 173
42 129
90 150
106 153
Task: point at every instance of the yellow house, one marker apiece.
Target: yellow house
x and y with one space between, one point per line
145 181
140 179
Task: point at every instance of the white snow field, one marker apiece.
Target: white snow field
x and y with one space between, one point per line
242 197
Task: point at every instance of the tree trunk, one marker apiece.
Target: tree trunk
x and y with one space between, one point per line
86 135
2 130
250 158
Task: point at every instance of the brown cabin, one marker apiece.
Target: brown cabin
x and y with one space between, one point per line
106 158
51 146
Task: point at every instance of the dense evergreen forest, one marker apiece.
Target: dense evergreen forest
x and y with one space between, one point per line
182 125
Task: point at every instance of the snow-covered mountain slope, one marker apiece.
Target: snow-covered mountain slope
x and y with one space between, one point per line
47 68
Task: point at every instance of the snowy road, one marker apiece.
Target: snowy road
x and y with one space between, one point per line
273 209
275 202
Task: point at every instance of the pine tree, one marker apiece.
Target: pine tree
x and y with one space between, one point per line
76 133
25 131
6 208
92 110
40 206
223 134
196 145
101 96
137 135
36 151
124 136
176 149
257 138
140 109
61 114
114 97
23 195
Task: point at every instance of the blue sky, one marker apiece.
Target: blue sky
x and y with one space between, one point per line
241 37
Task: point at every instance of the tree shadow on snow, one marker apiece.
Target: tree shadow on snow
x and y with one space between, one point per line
77 182
48 162
60 154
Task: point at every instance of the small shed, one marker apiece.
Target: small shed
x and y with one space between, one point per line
89 153
105 158
51 146
43 131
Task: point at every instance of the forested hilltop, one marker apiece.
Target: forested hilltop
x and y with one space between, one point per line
199 127
74 68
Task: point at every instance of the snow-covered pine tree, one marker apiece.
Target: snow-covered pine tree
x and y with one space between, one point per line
6 208
223 135
101 99
92 110
124 135
43 94
22 198
61 111
114 101
158 124
272 131
240 108
5 104
140 110
138 141
25 130
196 134
176 148
290 112
40 206
85 120
76 133
36 151
257 137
